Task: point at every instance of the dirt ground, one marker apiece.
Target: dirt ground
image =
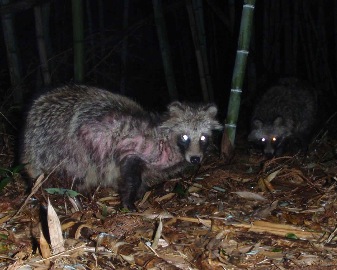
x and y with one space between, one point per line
250 213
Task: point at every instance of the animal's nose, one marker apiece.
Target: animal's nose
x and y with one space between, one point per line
195 160
269 155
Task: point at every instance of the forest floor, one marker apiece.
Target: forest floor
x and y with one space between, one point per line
249 214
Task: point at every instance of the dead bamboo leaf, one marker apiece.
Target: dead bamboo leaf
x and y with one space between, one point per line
194 188
44 248
39 181
265 183
150 214
205 222
250 195
167 196
4 219
271 176
265 211
157 235
55 231
144 199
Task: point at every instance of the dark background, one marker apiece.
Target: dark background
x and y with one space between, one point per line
290 37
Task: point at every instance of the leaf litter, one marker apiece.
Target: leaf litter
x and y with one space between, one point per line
249 214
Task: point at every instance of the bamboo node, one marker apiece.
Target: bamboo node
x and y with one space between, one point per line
243 51
231 125
248 6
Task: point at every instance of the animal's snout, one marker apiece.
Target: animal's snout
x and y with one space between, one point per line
269 151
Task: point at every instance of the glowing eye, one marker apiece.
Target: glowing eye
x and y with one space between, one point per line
184 138
274 139
203 138
263 139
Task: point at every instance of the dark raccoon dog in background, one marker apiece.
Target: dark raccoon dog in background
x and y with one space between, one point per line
284 118
106 139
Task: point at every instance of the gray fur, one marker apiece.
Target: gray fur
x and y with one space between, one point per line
99 137
287 112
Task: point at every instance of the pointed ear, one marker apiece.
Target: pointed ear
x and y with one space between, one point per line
175 108
278 121
257 124
211 110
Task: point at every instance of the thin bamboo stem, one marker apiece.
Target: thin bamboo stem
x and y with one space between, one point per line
164 47
41 43
78 39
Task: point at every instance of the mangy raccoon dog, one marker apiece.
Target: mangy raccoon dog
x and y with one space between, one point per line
102 138
284 117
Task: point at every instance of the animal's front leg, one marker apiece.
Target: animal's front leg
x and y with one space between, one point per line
130 182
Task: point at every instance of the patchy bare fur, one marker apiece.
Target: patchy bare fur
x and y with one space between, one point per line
104 138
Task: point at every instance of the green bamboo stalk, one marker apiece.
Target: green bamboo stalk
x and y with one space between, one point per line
13 55
165 50
238 76
78 34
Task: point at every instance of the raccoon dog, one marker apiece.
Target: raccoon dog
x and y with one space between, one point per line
106 139
284 117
